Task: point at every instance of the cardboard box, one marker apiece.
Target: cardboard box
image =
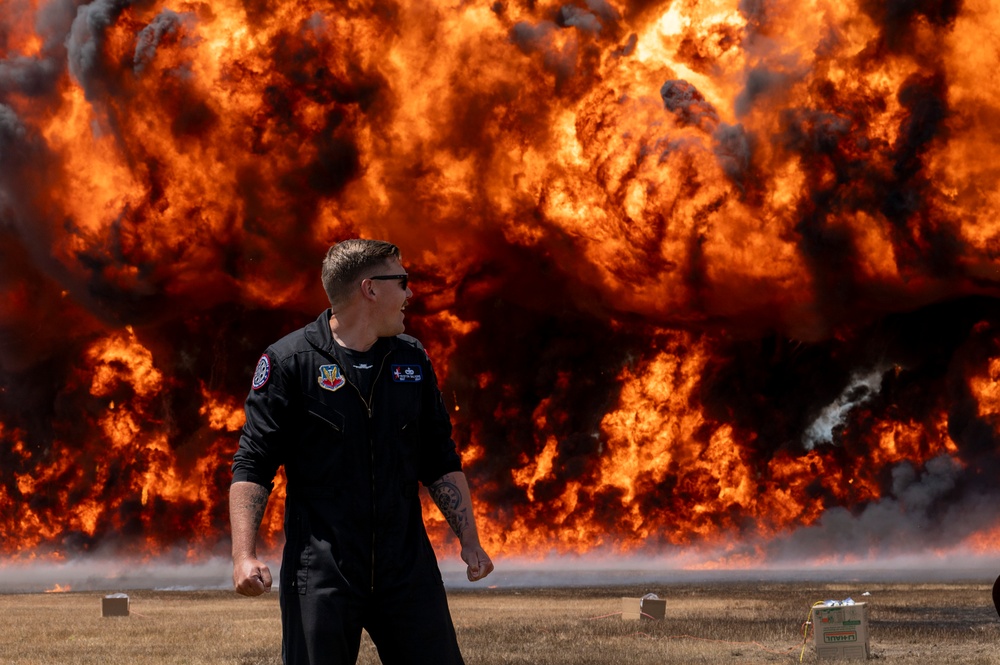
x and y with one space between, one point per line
115 605
643 608
841 631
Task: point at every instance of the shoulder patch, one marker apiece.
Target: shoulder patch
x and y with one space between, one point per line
262 373
406 374
330 378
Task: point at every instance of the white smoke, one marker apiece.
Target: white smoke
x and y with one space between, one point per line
824 562
861 388
100 573
692 566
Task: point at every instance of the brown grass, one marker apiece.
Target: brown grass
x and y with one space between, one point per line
705 623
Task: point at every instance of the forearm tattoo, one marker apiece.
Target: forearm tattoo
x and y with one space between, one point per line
256 504
449 500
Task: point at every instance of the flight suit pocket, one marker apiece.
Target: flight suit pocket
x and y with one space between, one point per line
299 550
408 454
326 415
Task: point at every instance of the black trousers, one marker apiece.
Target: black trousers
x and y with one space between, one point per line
408 627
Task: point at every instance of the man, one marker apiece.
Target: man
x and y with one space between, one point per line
350 406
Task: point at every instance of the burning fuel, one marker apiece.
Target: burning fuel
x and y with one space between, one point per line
694 274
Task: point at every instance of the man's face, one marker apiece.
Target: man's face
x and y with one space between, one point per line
391 298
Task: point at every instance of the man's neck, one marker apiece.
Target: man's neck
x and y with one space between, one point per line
356 336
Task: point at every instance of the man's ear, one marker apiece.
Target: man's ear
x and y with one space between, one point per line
367 290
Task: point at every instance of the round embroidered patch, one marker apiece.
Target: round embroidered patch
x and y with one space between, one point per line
262 373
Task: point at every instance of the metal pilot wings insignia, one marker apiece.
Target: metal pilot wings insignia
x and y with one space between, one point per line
330 378
406 373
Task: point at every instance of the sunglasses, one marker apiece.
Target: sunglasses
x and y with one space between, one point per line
403 279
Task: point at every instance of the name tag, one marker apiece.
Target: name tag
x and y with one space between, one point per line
406 374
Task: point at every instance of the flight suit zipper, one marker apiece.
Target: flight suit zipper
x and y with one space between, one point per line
371 451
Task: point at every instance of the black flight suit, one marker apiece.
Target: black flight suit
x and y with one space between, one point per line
356 552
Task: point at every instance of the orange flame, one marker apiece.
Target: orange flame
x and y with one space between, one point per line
703 274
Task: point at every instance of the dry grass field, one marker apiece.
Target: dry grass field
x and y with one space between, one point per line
741 622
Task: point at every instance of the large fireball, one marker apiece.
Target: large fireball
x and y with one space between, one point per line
694 274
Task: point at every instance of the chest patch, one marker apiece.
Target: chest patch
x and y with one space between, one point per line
406 374
262 373
330 378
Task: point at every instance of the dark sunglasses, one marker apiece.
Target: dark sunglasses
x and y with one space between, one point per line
403 279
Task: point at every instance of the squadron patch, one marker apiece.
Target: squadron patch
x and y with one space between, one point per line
330 378
406 373
262 373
